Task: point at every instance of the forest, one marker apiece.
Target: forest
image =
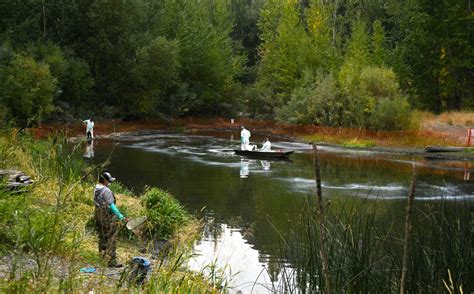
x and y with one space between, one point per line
365 64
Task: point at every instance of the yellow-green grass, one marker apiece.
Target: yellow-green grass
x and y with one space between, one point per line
54 223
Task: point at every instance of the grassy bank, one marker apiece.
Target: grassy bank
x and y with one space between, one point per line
47 233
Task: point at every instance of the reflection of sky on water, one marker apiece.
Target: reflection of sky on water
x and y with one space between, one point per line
240 262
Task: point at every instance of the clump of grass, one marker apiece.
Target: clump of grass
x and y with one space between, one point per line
120 188
165 214
354 143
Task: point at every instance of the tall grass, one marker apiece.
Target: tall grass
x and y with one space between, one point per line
365 242
44 237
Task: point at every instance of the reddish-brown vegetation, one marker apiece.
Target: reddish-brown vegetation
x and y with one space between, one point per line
430 135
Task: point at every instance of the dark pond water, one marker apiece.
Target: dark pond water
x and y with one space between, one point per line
249 204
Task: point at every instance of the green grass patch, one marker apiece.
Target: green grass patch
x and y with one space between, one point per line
120 188
52 222
165 214
359 143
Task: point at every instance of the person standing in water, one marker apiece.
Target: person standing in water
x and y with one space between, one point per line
89 128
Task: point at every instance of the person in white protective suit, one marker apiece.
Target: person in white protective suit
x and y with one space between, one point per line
89 128
244 139
267 146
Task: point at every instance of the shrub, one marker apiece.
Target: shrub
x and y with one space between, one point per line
164 213
378 82
27 89
392 114
315 101
74 80
375 101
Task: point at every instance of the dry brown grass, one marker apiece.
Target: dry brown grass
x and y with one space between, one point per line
452 118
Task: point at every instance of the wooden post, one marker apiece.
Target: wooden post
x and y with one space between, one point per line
469 134
408 227
322 223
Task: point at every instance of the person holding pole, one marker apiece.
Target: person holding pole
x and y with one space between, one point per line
106 216
89 128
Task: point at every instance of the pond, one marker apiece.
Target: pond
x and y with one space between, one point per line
250 205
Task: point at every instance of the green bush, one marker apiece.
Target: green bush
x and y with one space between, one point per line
392 114
155 72
316 100
375 101
378 82
27 89
74 80
165 214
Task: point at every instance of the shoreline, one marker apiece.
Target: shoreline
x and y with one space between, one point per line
300 137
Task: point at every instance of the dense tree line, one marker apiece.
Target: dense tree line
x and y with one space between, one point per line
331 62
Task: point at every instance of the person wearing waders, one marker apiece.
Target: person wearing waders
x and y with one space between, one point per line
244 138
89 128
106 216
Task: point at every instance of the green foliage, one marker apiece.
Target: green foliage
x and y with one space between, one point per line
74 81
155 72
43 228
26 90
284 51
39 221
120 188
292 49
315 101
378 82
433 52
379 53
359 143
208 63
175 58
165 214
392 114
356 58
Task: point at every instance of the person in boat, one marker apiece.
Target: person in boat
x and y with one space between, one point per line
245 139
89 128
106 216
267 146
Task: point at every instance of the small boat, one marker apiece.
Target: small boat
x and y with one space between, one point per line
264 154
